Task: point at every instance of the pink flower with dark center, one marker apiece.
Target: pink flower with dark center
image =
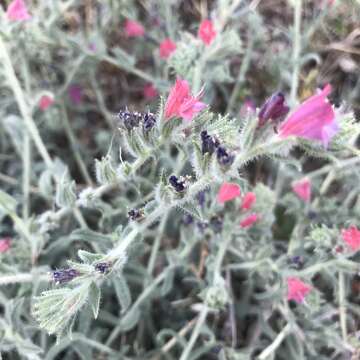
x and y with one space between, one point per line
302 189
180 102
5 244
250 220
297 290
207 32
351 237
45 102
167 47
150 92
17 11
248 201
133 28
75 94
314 119
227 192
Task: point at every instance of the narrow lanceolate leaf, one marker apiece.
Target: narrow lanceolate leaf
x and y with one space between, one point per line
94 298
122 292
130 320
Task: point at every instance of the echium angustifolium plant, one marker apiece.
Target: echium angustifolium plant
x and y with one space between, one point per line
151 221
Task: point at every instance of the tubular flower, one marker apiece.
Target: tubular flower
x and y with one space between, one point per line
302 189
45 102
227 192
273 109
5 244
17 11
314 119
167 47
249 220
207 32
181 103
248 201
133 29
297 290
351 237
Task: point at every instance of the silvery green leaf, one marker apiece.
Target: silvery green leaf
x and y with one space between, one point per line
94 298
105 172
65 192
122 292
123 57
130 320
168 282
46 185
15 129
168 127
88 257
7 203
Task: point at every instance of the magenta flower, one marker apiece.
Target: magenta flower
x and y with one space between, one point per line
314 119
167 47
17 11
75 94
5 244
351 237
133 28
297 290
250 220
181 103
150 92
207 32
227 192
248 201
45 102
302 189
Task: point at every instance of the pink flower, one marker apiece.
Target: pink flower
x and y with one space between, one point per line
314 119
75 94
351 237
302 189
181 103
150 91
5 244
133 28
227 192
248 201
167 47
207 32
297 290
17 11
45 102
249 220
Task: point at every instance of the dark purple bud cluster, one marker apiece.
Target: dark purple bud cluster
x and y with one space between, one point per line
64 275
136 214
201 198
273 109
177 184
187 219
131 120
223 157
102 267
208 143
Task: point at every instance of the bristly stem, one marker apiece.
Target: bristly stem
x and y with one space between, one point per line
20 99
342 305
275 344
195 334
296 50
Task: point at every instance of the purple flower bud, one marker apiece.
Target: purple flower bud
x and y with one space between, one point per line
208 143
136 214
64 275
273 109
103 267
187 219
223 157
177 184
149 121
